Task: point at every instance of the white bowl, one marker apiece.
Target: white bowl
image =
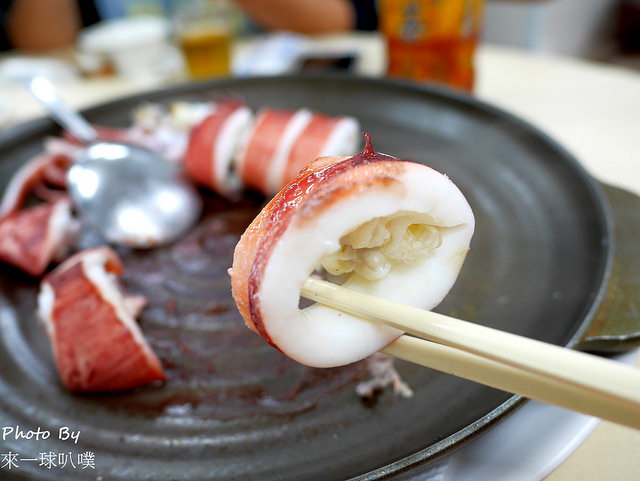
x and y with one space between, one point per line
124 34
137 46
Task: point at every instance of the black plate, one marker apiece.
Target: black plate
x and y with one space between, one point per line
236 409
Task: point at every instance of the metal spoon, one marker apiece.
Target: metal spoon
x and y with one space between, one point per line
131 194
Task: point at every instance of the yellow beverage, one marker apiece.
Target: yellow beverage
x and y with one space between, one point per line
432 39
207 51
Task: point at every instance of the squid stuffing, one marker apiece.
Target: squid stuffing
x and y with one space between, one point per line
388 227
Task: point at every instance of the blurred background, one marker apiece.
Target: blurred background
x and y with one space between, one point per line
602 30
173 40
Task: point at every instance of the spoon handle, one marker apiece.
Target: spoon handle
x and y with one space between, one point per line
45 92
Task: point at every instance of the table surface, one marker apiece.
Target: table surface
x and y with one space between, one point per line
593 110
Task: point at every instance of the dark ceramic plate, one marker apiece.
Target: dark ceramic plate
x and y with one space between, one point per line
234 408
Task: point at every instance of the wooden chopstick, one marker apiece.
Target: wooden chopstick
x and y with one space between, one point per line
566 378
501 376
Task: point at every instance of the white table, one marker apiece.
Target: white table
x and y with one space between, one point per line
592 110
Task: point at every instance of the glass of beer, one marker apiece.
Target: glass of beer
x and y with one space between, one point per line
204 31
432 39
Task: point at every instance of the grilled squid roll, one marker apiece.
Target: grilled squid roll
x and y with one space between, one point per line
263 157
283 142
388 227
213 146
322 136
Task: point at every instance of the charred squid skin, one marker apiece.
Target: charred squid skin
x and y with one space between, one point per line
32 238
313 188
323 135
262 143
202 161
246 248
37 170
197 159
391 228
311 139
112 263
90 322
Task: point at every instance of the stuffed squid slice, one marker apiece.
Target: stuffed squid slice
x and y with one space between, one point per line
388 227
282 142
213 146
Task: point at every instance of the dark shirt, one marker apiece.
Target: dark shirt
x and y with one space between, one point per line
4 40
366 14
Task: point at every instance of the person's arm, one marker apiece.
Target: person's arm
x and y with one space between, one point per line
304 16
42 24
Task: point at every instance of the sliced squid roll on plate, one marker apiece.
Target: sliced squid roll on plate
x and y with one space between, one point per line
263 157
322 136
283 142
391 228
213 146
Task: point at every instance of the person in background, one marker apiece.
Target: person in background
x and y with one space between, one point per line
43 24
47 24
312 16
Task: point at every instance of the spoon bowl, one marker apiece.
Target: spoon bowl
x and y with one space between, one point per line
130 194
